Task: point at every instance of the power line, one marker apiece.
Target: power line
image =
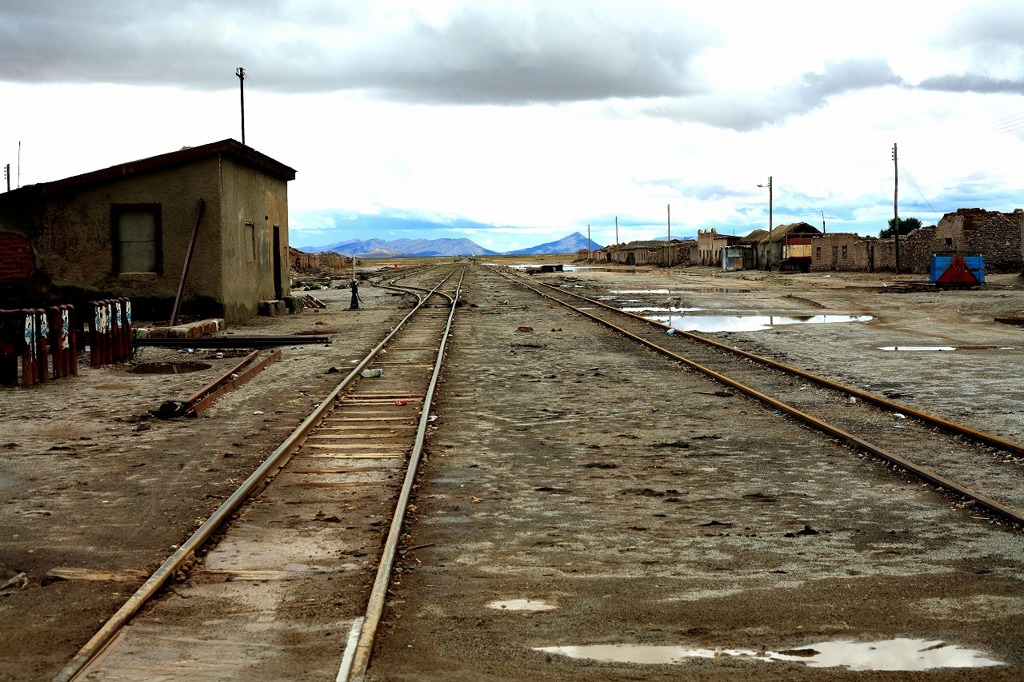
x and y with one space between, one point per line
1008 124
815 211
923 198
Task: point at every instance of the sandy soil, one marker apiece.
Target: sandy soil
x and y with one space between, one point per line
646 510
570 468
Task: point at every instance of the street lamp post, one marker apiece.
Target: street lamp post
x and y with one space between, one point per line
768 253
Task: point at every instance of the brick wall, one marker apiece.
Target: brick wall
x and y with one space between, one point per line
17 260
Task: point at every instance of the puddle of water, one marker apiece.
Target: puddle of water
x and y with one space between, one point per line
650 309
634 292
169 367
749 323
521 605
705 290
892 654
918 348
896 654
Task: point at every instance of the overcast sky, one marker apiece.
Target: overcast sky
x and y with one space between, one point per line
514 122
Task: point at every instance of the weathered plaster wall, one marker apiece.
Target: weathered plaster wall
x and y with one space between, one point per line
250 196
75 245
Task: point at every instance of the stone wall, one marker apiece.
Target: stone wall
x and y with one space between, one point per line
303 262
332 261
840 251
995 235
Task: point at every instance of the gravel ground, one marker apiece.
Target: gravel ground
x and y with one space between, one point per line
567 467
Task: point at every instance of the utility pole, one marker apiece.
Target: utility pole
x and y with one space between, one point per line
822 221
895 206
616 230
240 72
7 175
668 244
768 252
590 244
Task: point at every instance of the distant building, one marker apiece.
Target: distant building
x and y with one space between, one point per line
710 245
125 231
324 262
654 252
784 246
967 232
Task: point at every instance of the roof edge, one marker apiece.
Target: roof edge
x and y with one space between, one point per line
229 148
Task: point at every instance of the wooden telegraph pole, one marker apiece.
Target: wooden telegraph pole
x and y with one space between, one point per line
240 72
896 207
668 244
771 219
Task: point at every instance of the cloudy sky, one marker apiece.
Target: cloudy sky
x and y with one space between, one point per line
515 122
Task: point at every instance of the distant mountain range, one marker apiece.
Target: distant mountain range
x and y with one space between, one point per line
398 248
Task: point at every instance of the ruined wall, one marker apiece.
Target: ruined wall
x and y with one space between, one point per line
332 261
840 251
300 261
852 252
707 250
995 235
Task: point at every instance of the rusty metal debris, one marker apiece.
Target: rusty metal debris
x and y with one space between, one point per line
200 401
237 341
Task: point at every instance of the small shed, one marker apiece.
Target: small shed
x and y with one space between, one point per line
126 231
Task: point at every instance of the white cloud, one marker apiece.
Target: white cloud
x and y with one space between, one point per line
538 117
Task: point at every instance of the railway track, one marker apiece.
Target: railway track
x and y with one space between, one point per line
984 471
285 589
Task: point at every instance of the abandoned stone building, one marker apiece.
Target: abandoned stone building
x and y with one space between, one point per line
966 232
710 245
995 235
128 230
327 262
654 252
770 250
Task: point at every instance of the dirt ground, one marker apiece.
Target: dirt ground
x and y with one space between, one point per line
569 468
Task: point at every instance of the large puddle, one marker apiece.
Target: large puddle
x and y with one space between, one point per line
890 654
923 349
743 323
701 290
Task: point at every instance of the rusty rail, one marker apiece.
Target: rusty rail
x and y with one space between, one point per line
232 379
946 425
1005 512
277 460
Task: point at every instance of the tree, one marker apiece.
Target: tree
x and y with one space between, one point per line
906 225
